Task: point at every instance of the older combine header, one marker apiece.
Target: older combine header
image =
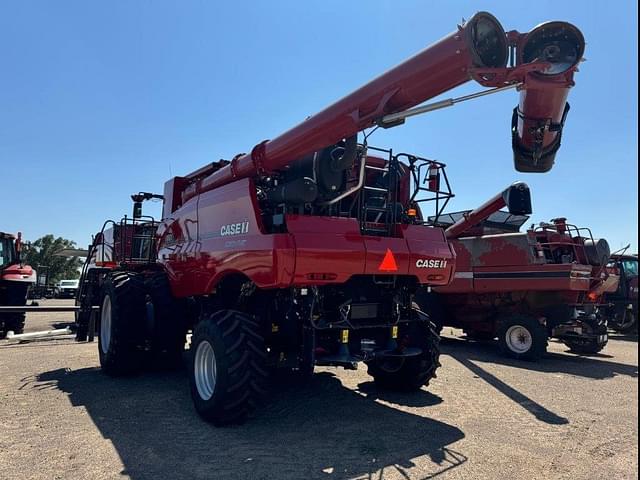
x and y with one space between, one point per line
308 250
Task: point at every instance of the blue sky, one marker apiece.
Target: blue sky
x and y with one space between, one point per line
99 100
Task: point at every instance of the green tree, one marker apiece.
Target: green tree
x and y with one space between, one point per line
42 255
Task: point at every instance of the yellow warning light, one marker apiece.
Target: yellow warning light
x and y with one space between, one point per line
344 337
394 331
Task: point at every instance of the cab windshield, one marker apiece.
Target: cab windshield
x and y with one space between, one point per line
7 253
630 268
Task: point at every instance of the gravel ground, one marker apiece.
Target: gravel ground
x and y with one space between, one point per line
484 417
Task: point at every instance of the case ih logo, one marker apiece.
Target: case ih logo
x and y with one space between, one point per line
234 229
424 263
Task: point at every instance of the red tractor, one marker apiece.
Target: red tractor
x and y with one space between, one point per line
622 305
15 280
523 287
309 250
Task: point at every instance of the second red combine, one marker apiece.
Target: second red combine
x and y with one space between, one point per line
523 287
309 249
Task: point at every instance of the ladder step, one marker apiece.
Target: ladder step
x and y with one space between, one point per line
369 229
376 209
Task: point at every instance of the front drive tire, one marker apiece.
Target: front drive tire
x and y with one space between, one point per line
168 335
13 322
122 316
410 373
523 338
227 371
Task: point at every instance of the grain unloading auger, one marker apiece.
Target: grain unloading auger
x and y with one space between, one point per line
541 66
309 249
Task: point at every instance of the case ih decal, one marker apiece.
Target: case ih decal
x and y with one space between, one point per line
234 229
431 263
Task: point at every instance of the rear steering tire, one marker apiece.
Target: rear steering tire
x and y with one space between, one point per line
410 373
227 371
523 338
626 322
596 328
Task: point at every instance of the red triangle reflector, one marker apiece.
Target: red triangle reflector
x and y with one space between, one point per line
388 263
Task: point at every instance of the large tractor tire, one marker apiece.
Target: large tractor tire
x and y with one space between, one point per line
122 316
410 373
522 337
596 328
429 303
168 330
228 372
12 322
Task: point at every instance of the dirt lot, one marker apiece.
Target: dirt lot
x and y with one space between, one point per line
484 417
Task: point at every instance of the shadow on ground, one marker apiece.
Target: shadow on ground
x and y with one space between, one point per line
593 366
422 398
625 337
471 354
318 430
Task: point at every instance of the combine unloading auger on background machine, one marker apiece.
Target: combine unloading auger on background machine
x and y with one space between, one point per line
309 250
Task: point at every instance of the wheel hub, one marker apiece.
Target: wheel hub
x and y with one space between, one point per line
205 370
105 324
519 339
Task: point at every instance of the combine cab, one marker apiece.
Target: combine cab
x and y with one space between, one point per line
309 249
15 280
622 305
524 287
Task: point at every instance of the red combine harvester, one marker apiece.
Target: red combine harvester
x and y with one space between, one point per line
15 280
523 287
309 249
